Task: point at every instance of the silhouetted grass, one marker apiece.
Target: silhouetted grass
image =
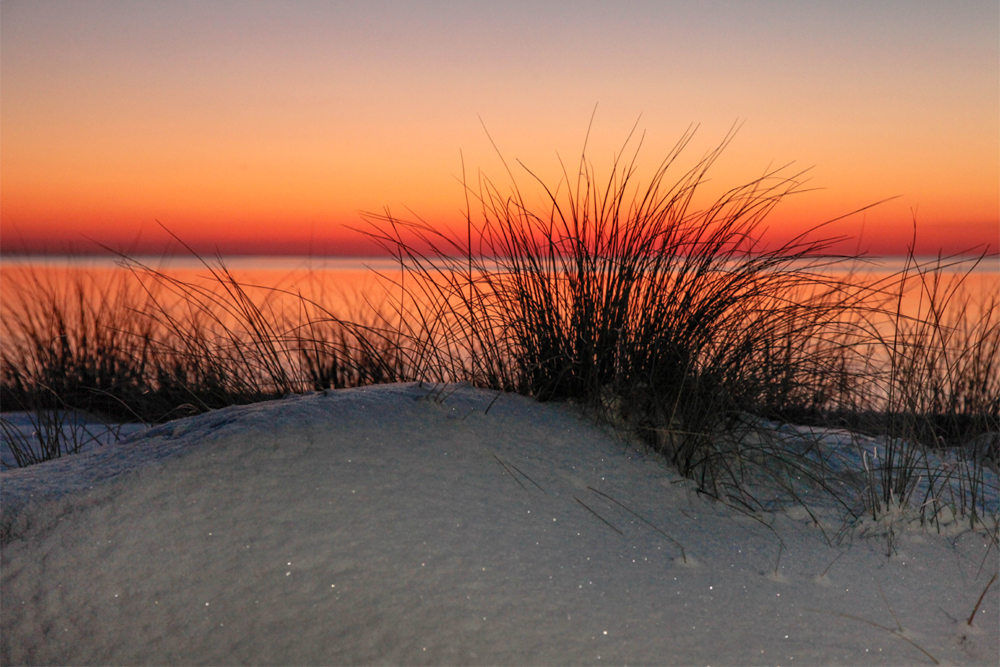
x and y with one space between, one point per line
74 340
938 389
671 318
680 324
144 345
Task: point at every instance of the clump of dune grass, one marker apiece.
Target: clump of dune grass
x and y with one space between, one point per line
240 343
140 344
672 319
683 326
945 359
938 395
75 339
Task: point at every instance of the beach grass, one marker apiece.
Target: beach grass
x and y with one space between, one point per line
670 316
684 327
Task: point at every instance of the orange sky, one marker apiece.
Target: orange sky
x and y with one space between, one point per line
265 127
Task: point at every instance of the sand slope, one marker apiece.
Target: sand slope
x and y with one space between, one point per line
397 524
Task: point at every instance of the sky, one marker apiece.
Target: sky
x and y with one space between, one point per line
258 127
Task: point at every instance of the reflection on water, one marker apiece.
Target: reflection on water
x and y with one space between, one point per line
342 287
345 286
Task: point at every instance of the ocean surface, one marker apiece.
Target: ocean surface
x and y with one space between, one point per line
347 285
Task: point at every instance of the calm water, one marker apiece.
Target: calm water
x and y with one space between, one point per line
345 287
353 275
341 285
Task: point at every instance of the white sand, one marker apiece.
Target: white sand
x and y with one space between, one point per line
382 526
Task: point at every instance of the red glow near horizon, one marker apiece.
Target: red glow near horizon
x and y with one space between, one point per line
346 240
263 128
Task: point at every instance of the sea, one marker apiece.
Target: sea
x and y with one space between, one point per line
345 286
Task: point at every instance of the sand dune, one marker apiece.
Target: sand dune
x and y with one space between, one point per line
413 525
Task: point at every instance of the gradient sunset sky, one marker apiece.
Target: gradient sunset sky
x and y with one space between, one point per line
266 127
